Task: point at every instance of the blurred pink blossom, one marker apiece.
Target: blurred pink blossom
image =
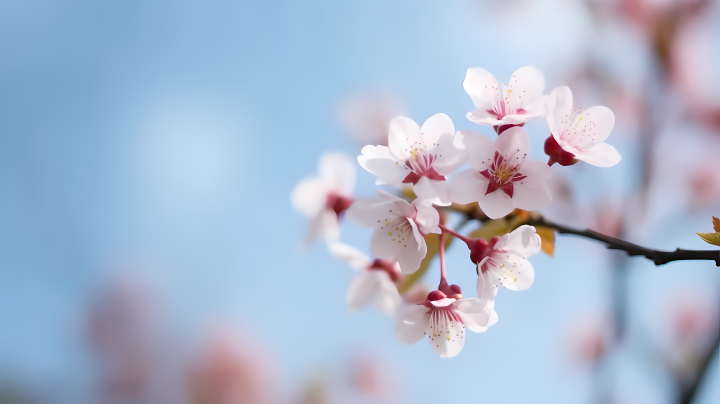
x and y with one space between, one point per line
231 370
704 184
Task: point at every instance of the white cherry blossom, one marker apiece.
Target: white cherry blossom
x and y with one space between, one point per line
324 198
399 227
501 178
444 321
375 282
513 103
579 134
419 156
504 262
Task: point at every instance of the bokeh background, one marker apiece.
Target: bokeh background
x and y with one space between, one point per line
148 250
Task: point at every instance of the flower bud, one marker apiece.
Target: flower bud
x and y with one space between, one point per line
436 295
557 154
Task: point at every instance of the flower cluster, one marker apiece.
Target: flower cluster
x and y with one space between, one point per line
498 176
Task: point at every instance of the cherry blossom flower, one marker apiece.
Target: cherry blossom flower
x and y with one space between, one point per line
516 103
419 156
503 261
577 135
399 227
501 179
443 320
323 199
375 282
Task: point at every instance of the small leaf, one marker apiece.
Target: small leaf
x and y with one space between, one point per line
492 228
716 224
711 238
433 243
547 237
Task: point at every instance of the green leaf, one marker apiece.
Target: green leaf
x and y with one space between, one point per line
433 248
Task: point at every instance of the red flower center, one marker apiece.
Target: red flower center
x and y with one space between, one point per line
502 175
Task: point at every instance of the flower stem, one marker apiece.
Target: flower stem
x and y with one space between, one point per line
442 257
454 233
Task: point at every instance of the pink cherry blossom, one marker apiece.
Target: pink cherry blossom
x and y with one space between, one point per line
515 103
443 320
503 261
422 157
579 135
375 282
399 227
501 178
323 199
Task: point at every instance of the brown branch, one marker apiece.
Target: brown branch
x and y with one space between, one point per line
656 256
688 394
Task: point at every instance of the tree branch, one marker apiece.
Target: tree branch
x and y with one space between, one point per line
688 394
656 256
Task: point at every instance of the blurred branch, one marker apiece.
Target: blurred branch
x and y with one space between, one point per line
689 393
656 256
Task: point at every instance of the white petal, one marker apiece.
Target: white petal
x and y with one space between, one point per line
493 319
451 153
482 87
523 241
354 257
363 290
324 225
483 117
403 132
468 186
369 212
537 169
444 302
427 217
516 272
533 192
436 127
338 170
379 161
600 155
475 313
436 192
310 196
513 145
449 341
411 323
561 101
486 286
497 204
409 252
479 147
597 123
527 84
387 299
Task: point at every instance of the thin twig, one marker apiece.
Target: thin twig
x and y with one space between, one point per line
656 256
